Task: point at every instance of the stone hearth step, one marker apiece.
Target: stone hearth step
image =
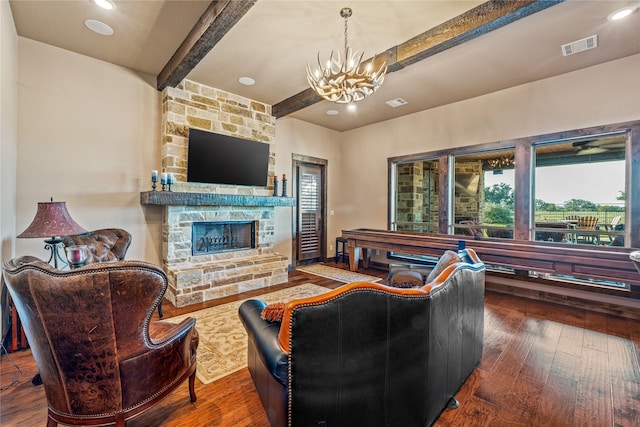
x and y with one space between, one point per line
199 282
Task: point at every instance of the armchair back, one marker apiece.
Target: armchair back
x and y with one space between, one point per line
100 357
107 244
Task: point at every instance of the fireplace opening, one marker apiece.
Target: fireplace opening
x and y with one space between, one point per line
222 236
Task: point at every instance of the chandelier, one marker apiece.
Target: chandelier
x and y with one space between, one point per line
503 162
345 80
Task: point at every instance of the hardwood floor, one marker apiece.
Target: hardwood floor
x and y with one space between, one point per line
543 365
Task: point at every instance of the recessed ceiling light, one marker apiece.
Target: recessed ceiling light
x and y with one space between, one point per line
621 13
332 112
352 107
247 81
98 27
105 4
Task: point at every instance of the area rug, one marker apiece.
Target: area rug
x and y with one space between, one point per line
338 274
223 341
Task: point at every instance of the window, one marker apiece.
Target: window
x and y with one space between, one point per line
483 194
570 189
416 196
580 191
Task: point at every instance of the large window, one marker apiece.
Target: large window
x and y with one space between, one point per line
580 191
577 189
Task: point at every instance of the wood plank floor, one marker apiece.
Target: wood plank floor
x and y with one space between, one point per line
543 365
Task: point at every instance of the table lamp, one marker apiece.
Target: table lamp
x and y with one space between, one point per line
52 220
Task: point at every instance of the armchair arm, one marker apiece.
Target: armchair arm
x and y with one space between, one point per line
264 336
170 357
162 331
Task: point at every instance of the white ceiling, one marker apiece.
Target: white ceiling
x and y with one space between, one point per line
276 39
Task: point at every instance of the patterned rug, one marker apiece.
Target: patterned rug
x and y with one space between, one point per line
223 341
338 274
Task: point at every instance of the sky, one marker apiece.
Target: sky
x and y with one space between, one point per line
599 183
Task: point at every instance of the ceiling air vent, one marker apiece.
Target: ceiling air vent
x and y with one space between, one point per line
580 45
396 102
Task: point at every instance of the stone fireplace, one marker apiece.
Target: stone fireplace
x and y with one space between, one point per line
217 239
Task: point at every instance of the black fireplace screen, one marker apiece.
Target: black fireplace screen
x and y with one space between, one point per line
215 237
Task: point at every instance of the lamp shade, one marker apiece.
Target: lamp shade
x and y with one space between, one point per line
52 219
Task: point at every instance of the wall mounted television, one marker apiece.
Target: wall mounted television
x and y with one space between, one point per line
222 159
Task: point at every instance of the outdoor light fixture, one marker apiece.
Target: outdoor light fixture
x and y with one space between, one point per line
345 80
52 220
501 162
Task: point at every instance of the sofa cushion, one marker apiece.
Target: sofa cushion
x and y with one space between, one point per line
448 258
406 279
273 312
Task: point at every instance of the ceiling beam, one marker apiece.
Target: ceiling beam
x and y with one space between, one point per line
215 23
467 26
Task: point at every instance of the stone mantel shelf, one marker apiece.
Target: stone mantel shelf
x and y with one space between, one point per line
211 199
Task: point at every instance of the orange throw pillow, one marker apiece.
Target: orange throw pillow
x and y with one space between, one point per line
273 312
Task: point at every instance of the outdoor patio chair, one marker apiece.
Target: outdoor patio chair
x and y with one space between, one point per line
477 233
612 226
586 223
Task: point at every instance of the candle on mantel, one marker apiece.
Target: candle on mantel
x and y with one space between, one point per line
154 176
163 178
171 179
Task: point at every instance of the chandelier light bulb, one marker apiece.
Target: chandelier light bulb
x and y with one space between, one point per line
346 80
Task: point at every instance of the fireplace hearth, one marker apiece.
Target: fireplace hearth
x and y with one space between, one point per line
211 237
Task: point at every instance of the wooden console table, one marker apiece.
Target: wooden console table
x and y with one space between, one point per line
597 262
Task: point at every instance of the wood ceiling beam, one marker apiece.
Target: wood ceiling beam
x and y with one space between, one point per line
478 21
215 22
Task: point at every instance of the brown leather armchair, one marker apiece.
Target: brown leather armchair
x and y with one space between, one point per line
106 244
101 358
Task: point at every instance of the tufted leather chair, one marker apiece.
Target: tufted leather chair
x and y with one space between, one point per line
101 358
106 244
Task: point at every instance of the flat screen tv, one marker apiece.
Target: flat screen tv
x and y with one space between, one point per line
221 159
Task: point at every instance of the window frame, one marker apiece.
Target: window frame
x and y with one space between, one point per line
524 208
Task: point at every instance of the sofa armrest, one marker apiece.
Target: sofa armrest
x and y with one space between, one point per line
264 336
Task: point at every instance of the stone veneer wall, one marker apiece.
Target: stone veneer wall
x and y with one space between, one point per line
466 205
192 105
194 279
409 194
417 195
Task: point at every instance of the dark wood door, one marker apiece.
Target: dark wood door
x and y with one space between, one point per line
310 211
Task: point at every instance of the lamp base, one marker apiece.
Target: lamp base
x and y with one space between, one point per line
53 244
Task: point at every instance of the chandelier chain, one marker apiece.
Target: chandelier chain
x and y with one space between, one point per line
346 18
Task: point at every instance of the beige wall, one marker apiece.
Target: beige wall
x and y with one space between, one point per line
8 130
599 95
88 134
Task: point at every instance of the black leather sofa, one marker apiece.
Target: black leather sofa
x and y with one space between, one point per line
367 354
